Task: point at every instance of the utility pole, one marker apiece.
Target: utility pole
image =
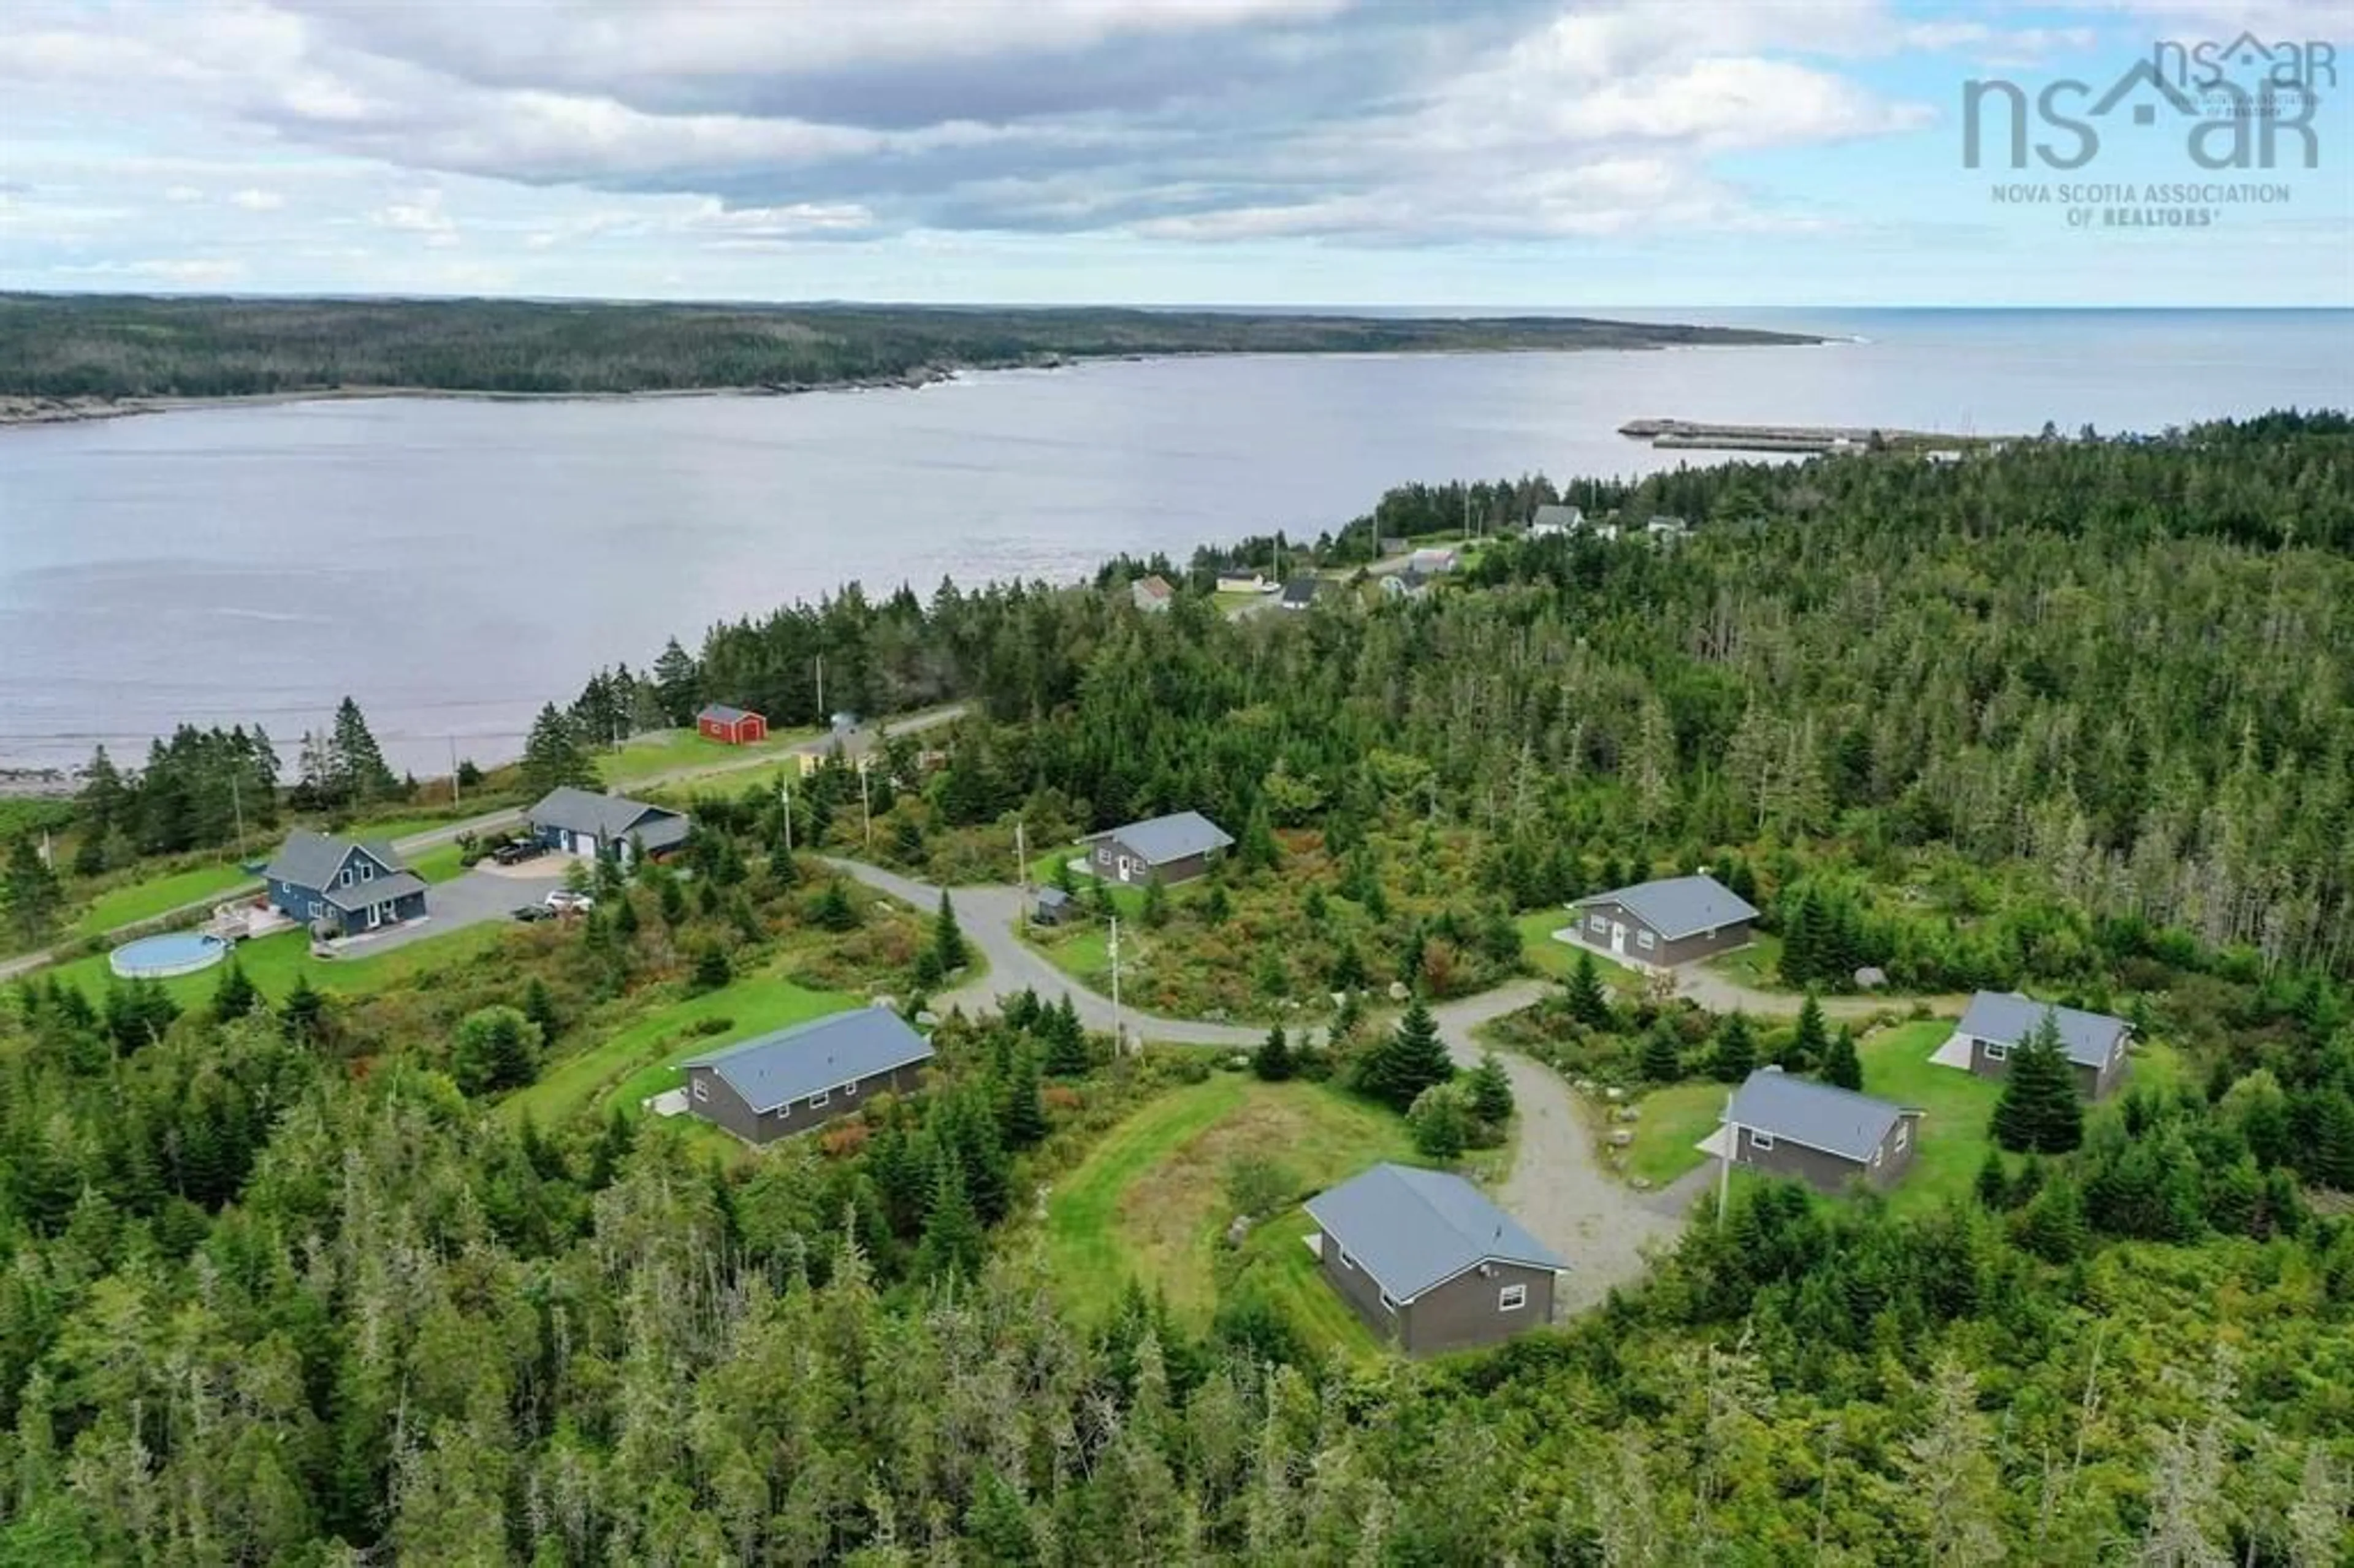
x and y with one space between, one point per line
865 811
1724 1160
1119 1024
1022 859
785 789
453 772
821 689
236 804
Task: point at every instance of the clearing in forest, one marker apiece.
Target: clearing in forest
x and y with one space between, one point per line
1150 1201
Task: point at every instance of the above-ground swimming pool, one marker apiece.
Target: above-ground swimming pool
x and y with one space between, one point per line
174 953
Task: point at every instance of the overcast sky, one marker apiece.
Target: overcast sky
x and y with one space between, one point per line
1482 153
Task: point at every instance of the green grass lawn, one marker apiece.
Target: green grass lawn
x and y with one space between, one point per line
1228 600
159 895
272 962
1673 1120
1548 956
1127 901
1759 964
438 863
1149 1200
671 750
639 1060
1277 1262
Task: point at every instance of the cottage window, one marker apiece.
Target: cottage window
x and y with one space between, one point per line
1760 1140
1512 1297
1996 1053
1388 1305
347 876
1875 1159
1346 1261
1103 855
817 1099
1645 940
1903 1137
367 871
702 1090
846 1090
1597 923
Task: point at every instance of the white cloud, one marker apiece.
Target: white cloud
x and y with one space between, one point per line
423 214
182 195
253 200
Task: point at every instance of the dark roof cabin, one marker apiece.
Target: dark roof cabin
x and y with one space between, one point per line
1175 848
1998 1022
1426 1260
577 821
1668 921
796 1078
1819 1133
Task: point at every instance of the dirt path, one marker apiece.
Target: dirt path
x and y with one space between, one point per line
1717 993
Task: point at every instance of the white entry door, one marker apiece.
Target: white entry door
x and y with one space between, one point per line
1617 937
376 916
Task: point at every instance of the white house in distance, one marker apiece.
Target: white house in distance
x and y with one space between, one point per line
1553 521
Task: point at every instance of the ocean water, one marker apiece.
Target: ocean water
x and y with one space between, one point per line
454 564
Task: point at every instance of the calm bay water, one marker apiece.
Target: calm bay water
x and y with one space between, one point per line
454 564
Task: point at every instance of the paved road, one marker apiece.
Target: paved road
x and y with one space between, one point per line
507 817
1556 1187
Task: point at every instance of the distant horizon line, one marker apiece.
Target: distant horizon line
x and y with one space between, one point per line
1459 311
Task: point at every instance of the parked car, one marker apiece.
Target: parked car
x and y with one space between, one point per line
517 851
530 912
564 901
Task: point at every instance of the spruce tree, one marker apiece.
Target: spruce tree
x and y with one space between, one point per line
952 1237
1992 1183
31 891
1491 1091
1272 1061
1735 1055
832 910
236 995
711 968
540 1008
302 1017
552 756
356 765
1067 1041
1588 1003
1440 1122
1810 1043
1411 1060
1661 1058
2039 1110
1841 1065
1257 850
947 939
1155 911
1022 1113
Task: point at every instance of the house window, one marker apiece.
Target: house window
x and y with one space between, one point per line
817 1099
1760 1140
847 1091
1645 940
1346 1261
1996 1053
702 1090
367 871
1103 855
1387 1305
1903 1137
1512 1297
1597 923
347 876
1875 1159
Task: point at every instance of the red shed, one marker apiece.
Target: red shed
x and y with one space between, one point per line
734 726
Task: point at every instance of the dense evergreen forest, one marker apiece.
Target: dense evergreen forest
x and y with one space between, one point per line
131 347
284 1283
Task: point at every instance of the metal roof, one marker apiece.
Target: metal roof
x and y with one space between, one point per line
2008 1018
794 1063
1820 1116
311 859
608 816
1302 590
1558 517
1413 1229
1677 906
1161 840
376 890
725 713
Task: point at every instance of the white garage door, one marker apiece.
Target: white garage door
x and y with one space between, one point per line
584 844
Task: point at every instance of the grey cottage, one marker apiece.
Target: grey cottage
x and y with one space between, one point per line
1819 1133
1428 1261
797 1078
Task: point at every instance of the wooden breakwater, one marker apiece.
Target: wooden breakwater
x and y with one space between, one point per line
1705 434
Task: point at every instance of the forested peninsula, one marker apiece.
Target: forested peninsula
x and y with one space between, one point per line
93 348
